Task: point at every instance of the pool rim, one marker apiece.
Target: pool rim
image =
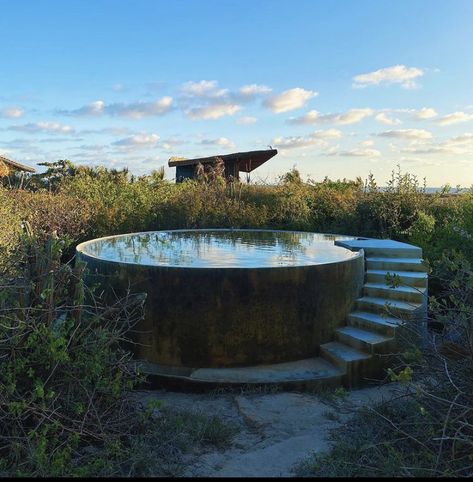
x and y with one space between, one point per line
356 253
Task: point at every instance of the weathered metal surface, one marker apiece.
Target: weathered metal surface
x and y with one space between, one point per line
230 317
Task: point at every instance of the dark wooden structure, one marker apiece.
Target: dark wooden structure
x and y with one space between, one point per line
7 166
234 163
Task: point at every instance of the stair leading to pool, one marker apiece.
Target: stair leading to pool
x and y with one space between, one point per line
395 290
358 349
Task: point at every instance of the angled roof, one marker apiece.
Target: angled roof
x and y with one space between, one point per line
16 165
248 161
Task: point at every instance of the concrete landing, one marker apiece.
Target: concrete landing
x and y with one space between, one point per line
301 372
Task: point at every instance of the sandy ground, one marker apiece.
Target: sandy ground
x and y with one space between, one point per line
276 430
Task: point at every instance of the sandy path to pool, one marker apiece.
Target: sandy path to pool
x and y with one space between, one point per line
276 430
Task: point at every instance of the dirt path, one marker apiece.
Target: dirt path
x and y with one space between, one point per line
275 430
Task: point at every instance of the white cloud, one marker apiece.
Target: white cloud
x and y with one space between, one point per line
43 127
460 145
134 110
357 152
253 90
352 116
203 88
397 74
138 110
211 112
425 113
247 120
138 141
327 134
407 134
11 112
289 100
454 118
316 138
385 119
465 138
220 141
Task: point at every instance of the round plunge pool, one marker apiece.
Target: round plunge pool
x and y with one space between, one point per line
229 298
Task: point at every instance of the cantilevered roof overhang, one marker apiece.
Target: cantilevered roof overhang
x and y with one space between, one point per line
247 161
16 166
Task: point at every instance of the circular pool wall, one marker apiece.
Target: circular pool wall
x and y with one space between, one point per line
223 298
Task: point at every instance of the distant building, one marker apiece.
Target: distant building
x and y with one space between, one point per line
234 163
7 166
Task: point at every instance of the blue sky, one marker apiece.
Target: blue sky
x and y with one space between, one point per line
340 88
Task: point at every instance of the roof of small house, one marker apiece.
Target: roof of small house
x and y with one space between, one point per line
248 161
16 166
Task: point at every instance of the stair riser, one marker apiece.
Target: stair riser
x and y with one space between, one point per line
395 266
404 280
390 311
393 294
355 371
385 347
393 252
365 324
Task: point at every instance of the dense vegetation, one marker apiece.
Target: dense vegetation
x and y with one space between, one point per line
65 383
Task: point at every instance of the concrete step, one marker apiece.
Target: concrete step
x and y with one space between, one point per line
402 293
353 362
365 340
409 278
382 248
298 372
405 310
404 252
396 264
385 325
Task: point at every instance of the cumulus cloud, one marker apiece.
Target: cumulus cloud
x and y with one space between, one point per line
95 108
385 119
407 134
212 112
11 112
454 118
289 100
219 141
205 100
246 120
253 90
138 141
43 127
425 113
352 116
316 138
460 145
203 88
133 110
358 152
138 110
397 74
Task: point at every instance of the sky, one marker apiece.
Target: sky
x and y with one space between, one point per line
340 88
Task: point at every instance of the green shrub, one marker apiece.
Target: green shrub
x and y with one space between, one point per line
64 377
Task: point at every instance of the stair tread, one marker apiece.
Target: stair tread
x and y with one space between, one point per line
364 335
345 352
404 305
301 370
407 274
376 318
387 259
401 288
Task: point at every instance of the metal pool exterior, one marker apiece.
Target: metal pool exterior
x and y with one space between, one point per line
233 317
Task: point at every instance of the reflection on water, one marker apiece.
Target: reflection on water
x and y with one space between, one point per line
220 248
